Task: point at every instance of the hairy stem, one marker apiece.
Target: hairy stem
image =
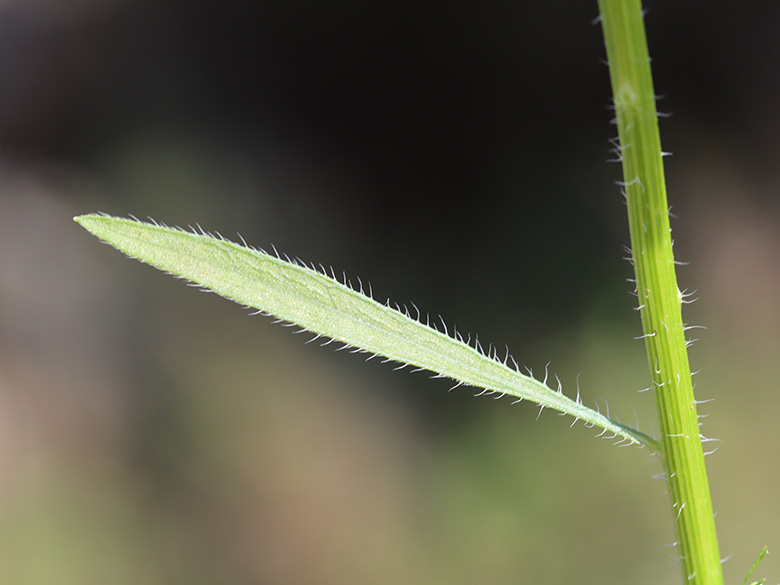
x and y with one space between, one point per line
660 300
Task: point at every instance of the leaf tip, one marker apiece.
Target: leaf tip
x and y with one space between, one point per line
86 219
92 221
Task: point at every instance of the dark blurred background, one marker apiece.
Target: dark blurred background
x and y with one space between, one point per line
452 154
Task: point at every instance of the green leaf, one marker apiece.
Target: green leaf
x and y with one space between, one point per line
757 562
319 303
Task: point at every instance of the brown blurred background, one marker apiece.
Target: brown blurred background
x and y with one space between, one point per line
451 154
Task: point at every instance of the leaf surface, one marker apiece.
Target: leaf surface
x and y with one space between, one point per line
321 304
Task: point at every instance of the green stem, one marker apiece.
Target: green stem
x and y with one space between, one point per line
660 300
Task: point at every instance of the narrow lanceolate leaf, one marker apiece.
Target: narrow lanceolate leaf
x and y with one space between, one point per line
318 303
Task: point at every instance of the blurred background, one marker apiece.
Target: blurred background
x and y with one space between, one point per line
453 155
